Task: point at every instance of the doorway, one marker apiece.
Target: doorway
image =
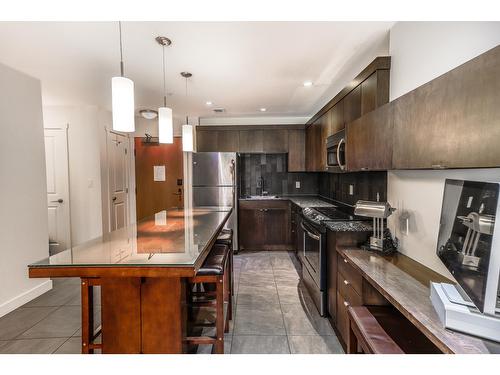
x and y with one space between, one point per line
58 205
117 154
158 175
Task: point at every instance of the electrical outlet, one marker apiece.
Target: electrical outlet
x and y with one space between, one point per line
351 189
297 184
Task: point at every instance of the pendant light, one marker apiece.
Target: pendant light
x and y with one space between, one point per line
187 130
165 123
122 94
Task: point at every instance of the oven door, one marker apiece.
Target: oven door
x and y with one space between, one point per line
313 242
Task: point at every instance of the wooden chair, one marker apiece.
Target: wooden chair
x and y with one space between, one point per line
214 272
366 333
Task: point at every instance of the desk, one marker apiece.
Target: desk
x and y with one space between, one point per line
405 284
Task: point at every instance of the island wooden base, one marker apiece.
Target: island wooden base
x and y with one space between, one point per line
139 315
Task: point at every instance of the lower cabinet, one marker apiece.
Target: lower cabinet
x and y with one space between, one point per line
264 225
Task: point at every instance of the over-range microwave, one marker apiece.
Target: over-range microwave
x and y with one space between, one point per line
335 152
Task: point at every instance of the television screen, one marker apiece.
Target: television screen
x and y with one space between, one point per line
466 233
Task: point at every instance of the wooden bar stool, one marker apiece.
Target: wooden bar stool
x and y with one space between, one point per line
214 272
366 332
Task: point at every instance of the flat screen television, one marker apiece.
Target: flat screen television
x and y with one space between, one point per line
466 234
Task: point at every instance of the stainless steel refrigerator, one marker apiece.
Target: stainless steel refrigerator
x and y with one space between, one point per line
214 176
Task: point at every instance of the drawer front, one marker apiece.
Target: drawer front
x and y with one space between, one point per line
352 276
342 318
347 291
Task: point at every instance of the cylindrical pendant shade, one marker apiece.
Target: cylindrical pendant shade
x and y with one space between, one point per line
165 125
122 91
187 138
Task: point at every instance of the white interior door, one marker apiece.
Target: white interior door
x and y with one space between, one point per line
56 156
118 180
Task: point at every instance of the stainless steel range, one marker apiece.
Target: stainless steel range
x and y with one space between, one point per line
313 254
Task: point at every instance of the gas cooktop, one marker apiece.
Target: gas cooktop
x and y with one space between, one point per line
319 215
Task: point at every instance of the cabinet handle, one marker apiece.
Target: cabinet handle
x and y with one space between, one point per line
346 282
364 169
438 166
346 304
345 260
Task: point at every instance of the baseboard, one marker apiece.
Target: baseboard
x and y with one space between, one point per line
25 297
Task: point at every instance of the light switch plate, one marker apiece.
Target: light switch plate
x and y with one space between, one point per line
351 189
297 184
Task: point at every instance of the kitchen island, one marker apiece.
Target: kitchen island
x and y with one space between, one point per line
142 270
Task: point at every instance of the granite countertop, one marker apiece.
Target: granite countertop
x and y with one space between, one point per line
349 226
302 201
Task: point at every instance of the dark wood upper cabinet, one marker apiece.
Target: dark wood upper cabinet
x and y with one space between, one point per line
206 140
369 141
275 141
452 121
296 150
252 141
228 140
324 132
352 105
337 118
374 91
217 140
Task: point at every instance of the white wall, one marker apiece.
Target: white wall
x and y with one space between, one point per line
421 51
23 199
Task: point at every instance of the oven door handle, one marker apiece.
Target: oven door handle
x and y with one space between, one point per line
312 235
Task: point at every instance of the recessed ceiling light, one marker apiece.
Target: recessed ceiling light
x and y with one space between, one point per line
307 83
209 103
263 109
148 114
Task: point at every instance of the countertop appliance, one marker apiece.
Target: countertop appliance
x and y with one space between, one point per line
313 254
214 184
335 152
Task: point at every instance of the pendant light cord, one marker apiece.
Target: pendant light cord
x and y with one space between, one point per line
164 79
187 119
121 47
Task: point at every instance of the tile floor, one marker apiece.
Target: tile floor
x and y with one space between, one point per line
273 314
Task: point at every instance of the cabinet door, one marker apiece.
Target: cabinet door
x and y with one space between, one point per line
206 140
310 157
374 91
337 118
324 129
275 141
228 141
251 230
251 141
296 150
452 121
352 105
277 228
369 141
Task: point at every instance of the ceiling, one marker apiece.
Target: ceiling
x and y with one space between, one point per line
240 66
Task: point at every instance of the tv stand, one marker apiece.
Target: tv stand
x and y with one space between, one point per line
457 314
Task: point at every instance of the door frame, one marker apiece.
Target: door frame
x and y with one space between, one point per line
65 129
105 185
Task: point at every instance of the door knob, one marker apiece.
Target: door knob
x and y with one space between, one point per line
114 199
57 201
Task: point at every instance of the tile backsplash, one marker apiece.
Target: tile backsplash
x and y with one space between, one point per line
271 171
350 187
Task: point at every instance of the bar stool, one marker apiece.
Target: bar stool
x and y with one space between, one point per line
214 272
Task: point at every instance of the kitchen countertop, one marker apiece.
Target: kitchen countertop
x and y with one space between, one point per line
349 226
170 238
302 201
